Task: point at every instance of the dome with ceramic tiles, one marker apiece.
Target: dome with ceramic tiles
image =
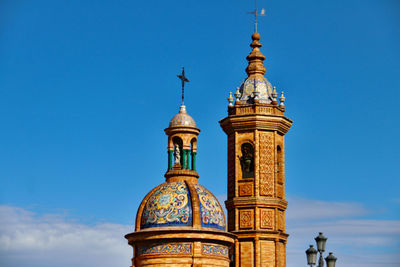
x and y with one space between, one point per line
182 119
260 85
177 204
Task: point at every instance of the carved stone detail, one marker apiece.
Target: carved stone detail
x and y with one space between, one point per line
266 164
281 221
246 189
246 219
267 219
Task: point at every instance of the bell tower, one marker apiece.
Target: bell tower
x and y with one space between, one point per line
256 126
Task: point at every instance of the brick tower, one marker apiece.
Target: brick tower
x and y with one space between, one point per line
256 126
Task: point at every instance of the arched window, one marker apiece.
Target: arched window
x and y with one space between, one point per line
247 160
279 164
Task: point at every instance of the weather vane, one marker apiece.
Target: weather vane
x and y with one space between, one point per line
183 79
256 14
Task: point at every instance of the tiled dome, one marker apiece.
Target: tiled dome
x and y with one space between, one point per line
171 205
261 85
182 119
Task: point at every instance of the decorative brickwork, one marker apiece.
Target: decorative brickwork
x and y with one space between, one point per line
280 191
268 254
266 164
267 219
246 219
246 254
281 255
246 189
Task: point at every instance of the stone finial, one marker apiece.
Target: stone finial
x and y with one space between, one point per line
182 109
238 94
274 94
230 99
255 58
282 99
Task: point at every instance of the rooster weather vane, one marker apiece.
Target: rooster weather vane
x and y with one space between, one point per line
256 14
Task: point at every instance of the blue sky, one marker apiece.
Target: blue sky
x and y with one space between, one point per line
86 89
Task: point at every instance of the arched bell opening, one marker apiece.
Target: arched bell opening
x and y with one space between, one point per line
247 160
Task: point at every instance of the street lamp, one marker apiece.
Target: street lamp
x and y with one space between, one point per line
330 260
321 243
312 253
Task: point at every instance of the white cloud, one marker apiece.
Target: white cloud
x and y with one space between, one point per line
51 240
355 241
307 209
27 239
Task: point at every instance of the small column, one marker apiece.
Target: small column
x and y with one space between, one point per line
170 159
188 164
194 161
185 159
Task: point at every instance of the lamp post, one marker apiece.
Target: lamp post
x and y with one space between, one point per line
312 253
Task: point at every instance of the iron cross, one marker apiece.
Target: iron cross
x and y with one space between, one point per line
183 79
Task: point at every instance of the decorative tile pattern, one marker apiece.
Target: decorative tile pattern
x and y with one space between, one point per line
169 205
172 248
182 119
215 250
266 164
246 219
211 212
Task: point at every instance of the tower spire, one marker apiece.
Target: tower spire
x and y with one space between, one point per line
184 79
256 58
